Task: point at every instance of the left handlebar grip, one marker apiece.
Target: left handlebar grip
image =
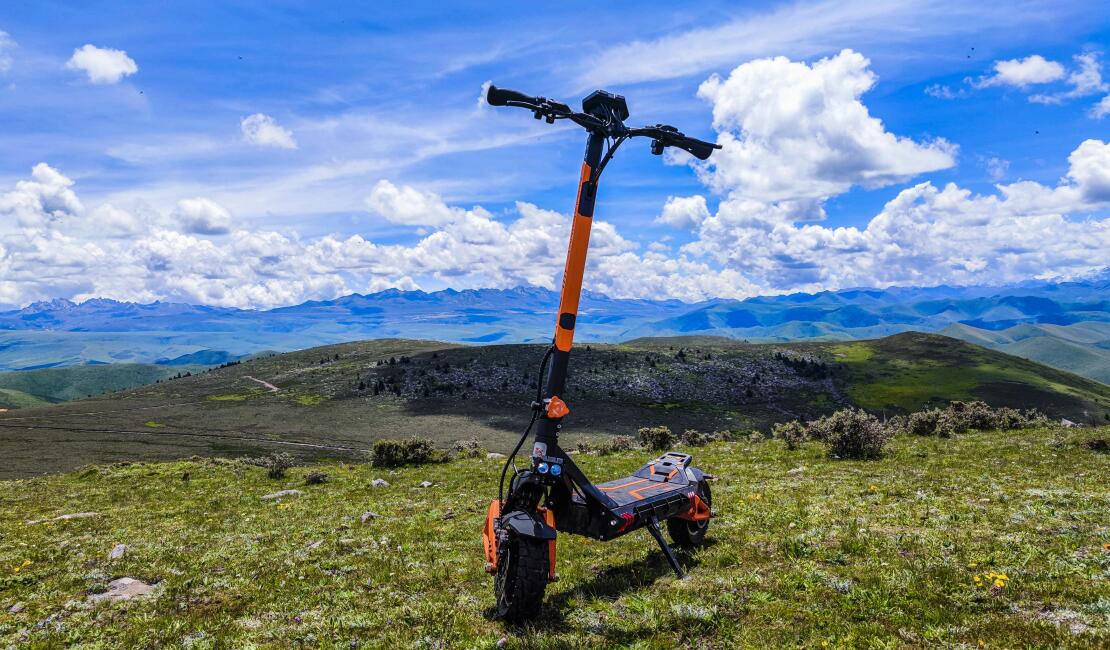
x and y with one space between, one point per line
502 96
697 148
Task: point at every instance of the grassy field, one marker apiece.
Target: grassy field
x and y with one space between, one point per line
333 402
51 385
984 540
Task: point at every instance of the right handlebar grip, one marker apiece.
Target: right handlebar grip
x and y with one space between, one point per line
502 96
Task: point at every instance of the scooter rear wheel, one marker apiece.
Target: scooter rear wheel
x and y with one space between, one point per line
689 534
521 579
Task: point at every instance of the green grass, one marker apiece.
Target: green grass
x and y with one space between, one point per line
852 554
231 397
75 382
16 399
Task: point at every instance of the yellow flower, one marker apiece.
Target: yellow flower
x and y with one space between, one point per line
872 487
982 644
1106 546
972 565
999 583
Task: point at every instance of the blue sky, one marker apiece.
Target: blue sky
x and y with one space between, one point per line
159 151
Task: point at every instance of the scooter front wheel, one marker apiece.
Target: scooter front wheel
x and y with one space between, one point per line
521 579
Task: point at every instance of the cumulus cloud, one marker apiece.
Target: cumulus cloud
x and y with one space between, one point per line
1022 73
684 211
46 197
1085 80
102 65
202 216
6 47
263 131
793 131
410 206
926 235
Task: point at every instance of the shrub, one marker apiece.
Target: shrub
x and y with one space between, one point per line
275 464
395 453
851 433
656 438
468 448
793 433
697 438
923 423
949 423
603 447
315 478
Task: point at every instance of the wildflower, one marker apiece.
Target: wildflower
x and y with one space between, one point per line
872 487
999 583
972 565
982 644
1106 546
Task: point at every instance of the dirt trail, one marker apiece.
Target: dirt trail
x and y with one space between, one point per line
271 387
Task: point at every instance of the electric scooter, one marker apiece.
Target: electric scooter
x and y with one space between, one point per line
552 494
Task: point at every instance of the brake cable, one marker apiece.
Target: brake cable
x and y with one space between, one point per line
524 436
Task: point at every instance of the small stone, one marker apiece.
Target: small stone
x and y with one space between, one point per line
379 482
426 484
502 642
450 514
118 551
283 493
16 608
367 516
493 455
315 545
797 470
75 515
123 589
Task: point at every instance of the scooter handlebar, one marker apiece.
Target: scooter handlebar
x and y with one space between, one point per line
502 96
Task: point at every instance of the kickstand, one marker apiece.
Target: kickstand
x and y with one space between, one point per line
653 528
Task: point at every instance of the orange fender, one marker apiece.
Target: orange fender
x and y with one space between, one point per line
489 539
698 510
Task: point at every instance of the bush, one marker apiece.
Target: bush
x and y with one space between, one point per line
656 438
923 423
851 433
697 438
315 478
395 453
275 464
468 448
793 433
603 447
896 425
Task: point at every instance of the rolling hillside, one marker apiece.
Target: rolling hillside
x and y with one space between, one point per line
1082 348
335 400
53 385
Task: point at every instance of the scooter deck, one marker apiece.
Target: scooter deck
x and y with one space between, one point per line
661 477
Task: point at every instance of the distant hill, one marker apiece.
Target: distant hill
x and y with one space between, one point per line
61 333
335 400
1082 348
42 387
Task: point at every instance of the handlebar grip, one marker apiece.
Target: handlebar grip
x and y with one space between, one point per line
697 148
502 96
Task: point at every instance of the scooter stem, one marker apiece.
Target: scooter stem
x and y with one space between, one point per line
555 382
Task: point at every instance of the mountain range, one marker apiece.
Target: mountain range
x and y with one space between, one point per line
1066 324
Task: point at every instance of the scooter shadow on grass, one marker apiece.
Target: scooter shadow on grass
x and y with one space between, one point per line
608 584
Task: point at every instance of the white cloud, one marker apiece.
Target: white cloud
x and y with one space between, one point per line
1022 73
46 197
102 65
924 236
996 167
202 216
1085 80
262 130
1101 109
792 131
684 211
6 47
409 206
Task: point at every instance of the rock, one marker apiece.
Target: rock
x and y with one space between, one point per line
450 514
123 589
426 484
75 515
16 608
118 551
493 455
797 470
1067 424
283 493
315 545
367 516
379 482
